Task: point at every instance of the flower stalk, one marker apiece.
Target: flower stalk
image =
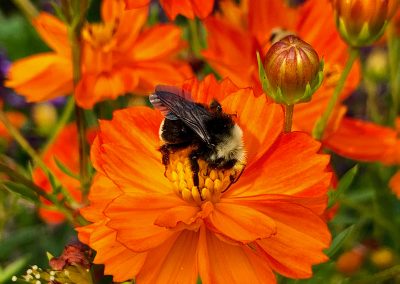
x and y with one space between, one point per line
288 118
27 8
75 14
319 128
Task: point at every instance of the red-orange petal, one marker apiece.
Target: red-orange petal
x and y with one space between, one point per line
240 223
172 262
301 237
41 77
291 166
231 52
361 140
53 32
147 45
133 217
260 121
118 260
152 73
208 89
221 263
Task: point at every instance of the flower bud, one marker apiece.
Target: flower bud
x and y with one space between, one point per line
351 261
292 71
361 22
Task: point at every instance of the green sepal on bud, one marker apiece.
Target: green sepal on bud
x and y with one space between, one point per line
295 83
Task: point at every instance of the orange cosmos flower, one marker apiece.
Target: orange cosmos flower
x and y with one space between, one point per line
231 52
188 8
149 226
119 56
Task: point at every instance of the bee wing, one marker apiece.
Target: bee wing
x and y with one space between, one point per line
172 103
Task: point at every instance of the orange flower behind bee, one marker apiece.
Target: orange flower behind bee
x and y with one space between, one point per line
231 52
269 220
188 8
118 56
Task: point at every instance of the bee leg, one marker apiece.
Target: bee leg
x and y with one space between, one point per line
194 165
233 180
165 151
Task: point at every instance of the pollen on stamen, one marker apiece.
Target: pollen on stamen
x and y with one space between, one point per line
212 182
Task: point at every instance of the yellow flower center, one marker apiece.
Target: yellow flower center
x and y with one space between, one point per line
100 35
212 181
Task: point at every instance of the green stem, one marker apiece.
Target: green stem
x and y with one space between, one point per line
65 116
27 8
319 128
381 277
394 54
76 49
194 36
288 118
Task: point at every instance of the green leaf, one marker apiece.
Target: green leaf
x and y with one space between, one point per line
262 74
30 170
65 169
21 190
339 240
344 184
13 268
56 188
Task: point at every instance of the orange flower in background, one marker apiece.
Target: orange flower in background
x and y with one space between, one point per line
231 52
65 144
269 220
48 75
119 56
188 8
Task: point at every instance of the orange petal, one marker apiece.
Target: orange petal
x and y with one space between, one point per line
209 88
128 151
147 45
260 121
119 261
179 214
301 237
102 192
93 88
132 4
202 8
152 73
231 52
361 140
41 77
395 184
141 235
264 16
129 27
317 201
221 263
292 166
240 223
174 7
53 32
172 262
